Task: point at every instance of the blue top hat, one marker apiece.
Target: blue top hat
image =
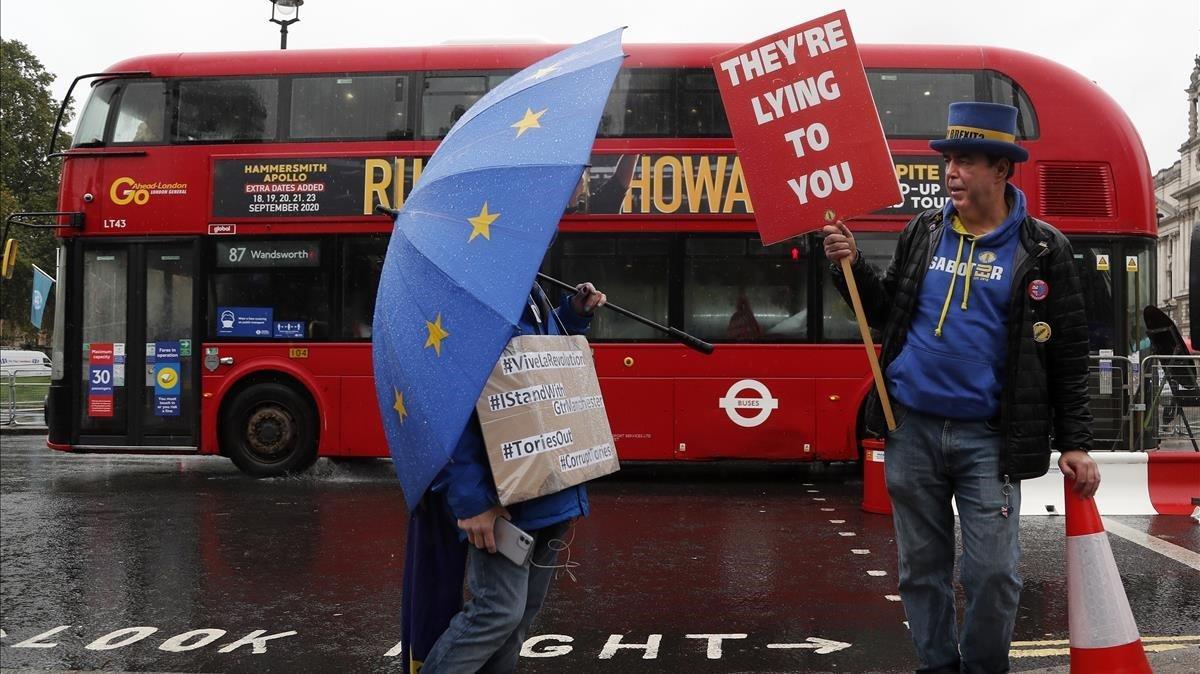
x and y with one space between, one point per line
990 128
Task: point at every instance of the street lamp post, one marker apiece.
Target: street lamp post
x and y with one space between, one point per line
285 9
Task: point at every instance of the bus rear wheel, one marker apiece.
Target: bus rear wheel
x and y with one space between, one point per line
269 430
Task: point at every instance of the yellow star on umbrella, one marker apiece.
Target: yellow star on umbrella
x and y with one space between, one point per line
399 405
481 223
436 334
529 121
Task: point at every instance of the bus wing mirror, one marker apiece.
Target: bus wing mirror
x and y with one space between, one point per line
10 259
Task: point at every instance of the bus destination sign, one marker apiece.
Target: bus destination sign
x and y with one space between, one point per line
257 254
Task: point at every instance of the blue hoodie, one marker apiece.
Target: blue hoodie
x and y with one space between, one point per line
952 364
467 478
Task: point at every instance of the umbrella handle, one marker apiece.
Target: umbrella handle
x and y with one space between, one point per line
380 209
688 340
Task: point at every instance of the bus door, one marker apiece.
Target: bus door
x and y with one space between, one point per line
137 316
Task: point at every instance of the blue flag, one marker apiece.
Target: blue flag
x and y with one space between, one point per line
42 282
435 561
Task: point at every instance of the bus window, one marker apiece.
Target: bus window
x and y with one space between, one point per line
701 114
639 104
103 395
345 107
1004 90
913 103
633 270
446 98
1094 264
838 323
274 288
141 113
737 290
227 110
95 115
1139 292
362 264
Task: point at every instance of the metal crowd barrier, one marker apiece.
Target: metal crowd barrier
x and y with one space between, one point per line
1111 383
22 399
1168 405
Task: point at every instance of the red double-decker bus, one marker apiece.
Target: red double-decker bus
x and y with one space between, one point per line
220 255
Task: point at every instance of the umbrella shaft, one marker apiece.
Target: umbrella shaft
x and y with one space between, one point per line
689 340
607 305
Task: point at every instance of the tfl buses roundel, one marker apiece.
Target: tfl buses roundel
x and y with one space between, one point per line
762 403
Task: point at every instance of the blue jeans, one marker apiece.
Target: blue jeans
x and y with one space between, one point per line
929 460
486 636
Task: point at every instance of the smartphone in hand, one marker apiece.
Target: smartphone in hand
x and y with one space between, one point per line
511 542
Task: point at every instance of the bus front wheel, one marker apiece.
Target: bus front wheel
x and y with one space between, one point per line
268 430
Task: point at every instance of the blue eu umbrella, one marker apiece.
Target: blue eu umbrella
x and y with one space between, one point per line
468 242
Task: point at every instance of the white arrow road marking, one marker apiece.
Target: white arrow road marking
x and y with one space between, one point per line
820 646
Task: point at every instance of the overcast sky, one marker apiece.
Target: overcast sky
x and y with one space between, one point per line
1140 51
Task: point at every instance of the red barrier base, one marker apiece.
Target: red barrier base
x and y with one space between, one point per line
875 495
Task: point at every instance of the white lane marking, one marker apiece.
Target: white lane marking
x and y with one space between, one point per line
813 491
1175 552
714 642
650 648
892 597
36 641
837 521
827 510
180 642
256 641
820 646
121 637
876 573
549 651
861 551
818 498
846 533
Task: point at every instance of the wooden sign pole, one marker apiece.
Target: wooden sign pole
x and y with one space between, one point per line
865 331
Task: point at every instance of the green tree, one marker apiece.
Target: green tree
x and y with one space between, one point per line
28 180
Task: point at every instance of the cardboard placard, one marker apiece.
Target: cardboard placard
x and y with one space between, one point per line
806 128
543 418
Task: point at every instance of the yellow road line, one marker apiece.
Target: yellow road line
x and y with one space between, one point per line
1047 652
1064 642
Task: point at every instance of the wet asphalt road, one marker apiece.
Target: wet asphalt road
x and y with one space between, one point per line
152 548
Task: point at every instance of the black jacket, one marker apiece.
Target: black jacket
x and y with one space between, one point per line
1045 386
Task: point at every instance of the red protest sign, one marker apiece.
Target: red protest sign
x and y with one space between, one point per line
805 126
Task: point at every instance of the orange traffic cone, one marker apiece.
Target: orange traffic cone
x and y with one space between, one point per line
1104 636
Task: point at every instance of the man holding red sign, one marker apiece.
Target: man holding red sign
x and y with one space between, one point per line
985 347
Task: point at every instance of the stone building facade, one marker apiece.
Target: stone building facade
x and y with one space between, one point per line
1177 193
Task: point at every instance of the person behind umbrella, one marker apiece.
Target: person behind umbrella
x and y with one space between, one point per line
985 346
488 632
